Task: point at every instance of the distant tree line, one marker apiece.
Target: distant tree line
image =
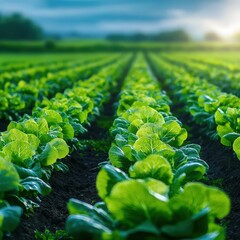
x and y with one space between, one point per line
167 36
212 37
18 27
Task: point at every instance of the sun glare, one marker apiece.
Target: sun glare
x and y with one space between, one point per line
226 31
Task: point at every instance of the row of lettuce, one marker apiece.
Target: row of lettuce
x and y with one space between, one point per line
218 112
15 62
20 90
31 148
148 188
226 76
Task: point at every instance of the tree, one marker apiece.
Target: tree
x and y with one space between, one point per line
17 27
168 36
173 36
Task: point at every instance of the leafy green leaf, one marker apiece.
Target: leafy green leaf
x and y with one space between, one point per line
154 166
147 129
172 133
135 125
51 116
61 167
30 126
67 130
192 170
146 114
220 117
49 155
83 227
190 201
132 202
223 130
42 126
36 184
33 141
78 207
150 144
9 176
19 152
13 135
236 147
61 147
118 158
9 218
107 178
195 226
120 140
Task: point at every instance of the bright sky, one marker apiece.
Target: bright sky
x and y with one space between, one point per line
100 17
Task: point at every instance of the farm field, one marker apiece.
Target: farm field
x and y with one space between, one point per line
120 145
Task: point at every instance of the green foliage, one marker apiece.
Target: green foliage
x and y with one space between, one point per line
19 152
32 147
22 88
154 195
236 147
83 227
9 218
35 184
149 190
132 203
144 208
218 112
154 166
48 235
107 178
9 176
17 27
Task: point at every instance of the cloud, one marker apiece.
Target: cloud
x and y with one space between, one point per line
25 6
42 10
105 17
176 13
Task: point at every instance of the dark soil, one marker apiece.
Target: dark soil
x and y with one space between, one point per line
3 125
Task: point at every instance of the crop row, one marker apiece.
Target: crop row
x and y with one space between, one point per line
226 79
31 147
20 97
227 61
15 62
148 188
36 72
216 111
25 65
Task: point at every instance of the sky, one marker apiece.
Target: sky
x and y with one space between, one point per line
102 17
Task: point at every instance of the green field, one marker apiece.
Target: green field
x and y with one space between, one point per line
99 45
119 141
